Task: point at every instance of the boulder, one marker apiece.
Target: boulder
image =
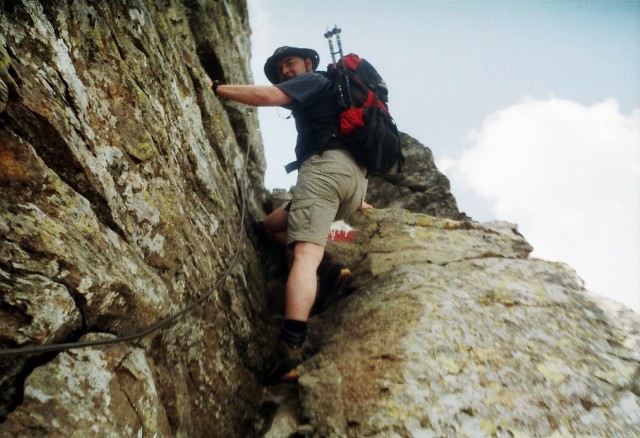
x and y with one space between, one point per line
420 187
454 331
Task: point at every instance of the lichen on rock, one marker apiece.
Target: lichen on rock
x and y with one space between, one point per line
122 184
459 333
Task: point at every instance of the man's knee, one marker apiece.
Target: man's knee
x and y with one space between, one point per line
308 252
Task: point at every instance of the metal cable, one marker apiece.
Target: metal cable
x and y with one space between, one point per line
39 349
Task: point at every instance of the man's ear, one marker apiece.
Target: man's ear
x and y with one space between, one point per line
309 65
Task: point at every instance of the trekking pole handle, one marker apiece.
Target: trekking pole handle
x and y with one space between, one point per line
335 31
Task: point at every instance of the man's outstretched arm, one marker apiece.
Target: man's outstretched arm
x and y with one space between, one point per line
254 95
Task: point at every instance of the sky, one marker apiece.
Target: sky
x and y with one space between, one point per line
531 109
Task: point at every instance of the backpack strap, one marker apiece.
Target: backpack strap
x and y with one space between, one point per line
294 165
336 141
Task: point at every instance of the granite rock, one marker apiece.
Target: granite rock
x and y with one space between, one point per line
419 187
122 185
454 331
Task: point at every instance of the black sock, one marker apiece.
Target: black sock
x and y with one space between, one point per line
294 332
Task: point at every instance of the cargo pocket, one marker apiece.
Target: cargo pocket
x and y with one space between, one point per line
300 215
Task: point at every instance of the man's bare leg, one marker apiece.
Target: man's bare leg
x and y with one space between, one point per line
302 285
275 225
300 296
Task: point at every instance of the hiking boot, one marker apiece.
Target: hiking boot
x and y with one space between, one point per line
334 282
283 364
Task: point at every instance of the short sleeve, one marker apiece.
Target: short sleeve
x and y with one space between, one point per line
304 88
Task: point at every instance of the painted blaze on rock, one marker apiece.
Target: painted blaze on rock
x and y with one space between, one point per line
341 232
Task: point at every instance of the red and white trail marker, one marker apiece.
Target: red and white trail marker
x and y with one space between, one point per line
341 232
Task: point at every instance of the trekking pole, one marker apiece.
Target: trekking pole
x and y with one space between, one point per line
328 35
336 30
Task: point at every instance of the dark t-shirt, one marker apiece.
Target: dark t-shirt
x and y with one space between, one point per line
315 111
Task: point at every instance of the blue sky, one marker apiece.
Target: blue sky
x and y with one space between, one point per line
531 108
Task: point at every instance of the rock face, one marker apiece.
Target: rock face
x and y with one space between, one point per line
420 187
120 203
454 331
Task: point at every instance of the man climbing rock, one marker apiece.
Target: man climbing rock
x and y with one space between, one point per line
330 186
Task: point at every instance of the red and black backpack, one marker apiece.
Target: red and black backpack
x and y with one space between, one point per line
365 122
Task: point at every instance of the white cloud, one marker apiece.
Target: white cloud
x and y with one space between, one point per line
569 175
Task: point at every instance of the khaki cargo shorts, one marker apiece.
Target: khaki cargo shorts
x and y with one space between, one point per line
330 187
